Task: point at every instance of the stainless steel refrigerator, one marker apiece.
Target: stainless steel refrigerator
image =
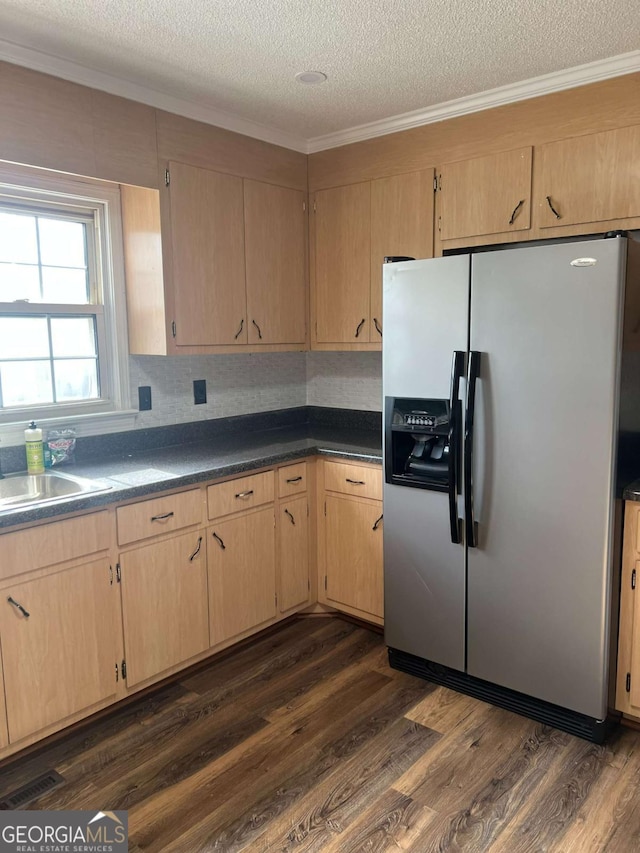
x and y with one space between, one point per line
501 380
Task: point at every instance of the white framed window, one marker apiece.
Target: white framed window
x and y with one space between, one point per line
63 343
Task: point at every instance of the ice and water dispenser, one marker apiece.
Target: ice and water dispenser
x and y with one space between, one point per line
419 449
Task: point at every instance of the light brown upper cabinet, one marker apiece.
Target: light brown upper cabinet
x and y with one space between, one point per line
207 245
214 263
342 264
486 195
594 178
275 245
401 225
353 229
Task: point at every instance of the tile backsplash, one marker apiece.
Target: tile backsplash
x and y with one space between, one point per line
244 383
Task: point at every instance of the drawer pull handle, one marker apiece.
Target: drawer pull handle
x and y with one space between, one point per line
244 494
378 520
553 210
161 517
356 482
22 610
360 325
258 328
197 551
237 334
516 210
219 541
294 479
291 518
377 325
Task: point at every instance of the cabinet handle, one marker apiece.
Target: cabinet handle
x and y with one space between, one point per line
197 551
294 479
24 612
162 517
378 520
258 328
553 210
237 334
244 494
291 518
360 325
356 482
219 541
377 325
516 210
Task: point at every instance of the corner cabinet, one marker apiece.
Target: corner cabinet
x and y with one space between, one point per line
215 263
352 229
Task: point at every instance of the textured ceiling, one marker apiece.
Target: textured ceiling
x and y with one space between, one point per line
382 57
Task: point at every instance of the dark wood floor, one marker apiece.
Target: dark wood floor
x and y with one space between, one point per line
307 741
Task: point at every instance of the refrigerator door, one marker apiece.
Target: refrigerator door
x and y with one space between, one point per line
426 319
545 442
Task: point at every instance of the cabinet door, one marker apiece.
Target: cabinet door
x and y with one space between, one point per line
242 574
164 602
487 195
207 240
60 658
591 178
274 221
401 224
293 553
353 537
342 284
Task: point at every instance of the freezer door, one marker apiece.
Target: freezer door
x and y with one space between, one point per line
539 580
425 320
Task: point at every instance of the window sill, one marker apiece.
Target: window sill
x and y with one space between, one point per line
95 423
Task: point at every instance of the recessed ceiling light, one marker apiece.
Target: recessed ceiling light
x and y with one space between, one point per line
311 77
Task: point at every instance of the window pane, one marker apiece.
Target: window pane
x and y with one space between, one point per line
25 383
76 379
19 281
61 243
66 285
24 337
18 242
73 336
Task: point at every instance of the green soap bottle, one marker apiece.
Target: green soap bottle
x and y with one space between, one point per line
34 448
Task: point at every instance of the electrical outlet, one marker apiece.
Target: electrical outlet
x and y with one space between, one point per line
144 398
199 391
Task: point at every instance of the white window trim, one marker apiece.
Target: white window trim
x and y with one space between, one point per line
117 414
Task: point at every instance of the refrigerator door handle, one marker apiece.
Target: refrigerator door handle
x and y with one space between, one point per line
472 375
457 368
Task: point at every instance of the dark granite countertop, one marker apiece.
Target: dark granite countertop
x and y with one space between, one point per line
139 472
632 491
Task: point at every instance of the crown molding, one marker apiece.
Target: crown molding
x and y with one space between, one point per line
580 75
570 78
76 73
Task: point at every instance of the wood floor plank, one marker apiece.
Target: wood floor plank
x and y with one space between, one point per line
443 709
393 822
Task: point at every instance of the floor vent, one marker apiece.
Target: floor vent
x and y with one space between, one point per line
31 791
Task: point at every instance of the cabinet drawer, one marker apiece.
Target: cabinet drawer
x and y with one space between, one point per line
159 515
49 544
357 480
237 495
292 480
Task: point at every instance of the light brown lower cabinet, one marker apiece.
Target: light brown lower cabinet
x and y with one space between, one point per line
628 677
59 646
293 553
164 604
242 573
